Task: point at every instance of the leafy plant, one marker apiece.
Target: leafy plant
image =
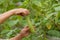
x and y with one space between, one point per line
44 15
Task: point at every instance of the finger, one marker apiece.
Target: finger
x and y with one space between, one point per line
24 12
27 11
21 14
26 29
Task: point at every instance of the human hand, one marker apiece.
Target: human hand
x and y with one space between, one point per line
25 31
21 11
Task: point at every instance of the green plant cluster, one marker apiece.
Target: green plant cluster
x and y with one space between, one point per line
44 15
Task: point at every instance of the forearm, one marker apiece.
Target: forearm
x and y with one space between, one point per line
23 33
18 37
5 16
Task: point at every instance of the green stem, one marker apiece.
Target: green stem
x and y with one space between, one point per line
30 25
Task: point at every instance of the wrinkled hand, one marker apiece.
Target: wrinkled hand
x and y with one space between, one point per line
25 32
21 11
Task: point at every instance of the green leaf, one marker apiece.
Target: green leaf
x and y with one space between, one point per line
54 33
57 8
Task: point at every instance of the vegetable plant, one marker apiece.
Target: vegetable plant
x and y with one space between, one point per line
44 15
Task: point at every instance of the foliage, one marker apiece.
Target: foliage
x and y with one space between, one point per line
44 15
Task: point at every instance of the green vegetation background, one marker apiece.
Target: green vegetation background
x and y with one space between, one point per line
44 15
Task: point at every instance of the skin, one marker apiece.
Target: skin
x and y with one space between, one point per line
24 32
6 15
19 11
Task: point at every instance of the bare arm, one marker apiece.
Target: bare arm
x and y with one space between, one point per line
24 32
18 37
19 11
5 15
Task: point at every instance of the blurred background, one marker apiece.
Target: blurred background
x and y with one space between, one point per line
44 15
